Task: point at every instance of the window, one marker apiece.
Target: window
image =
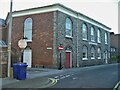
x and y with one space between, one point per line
113 49
92 53
99 53
28 29
84 53
84 32
92 34
106 56
99 36
106 38
68 27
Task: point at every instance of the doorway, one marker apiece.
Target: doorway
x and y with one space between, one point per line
68 62
27 57
106 57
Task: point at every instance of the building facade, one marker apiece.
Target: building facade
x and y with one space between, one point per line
85 41
115 47
3 48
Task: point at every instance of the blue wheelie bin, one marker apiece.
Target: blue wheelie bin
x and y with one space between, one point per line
15 70
22 71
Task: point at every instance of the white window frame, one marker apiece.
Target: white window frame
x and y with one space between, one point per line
68 27
99 36
92 34
113 49
106 38
26 29
84 32
99 53
86 53
93 51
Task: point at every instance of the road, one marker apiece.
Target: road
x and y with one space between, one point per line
101 76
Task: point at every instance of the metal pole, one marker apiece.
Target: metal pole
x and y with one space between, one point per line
22 50
77 63
9 40
60 67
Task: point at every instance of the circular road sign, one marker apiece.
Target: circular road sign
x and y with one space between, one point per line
22 43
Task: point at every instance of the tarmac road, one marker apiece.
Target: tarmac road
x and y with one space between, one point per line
102 76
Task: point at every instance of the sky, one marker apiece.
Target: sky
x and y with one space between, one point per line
104 11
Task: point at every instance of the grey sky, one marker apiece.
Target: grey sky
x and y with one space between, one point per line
104 11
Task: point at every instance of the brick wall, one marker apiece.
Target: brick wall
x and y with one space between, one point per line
72 42
66 42
49 32
42 37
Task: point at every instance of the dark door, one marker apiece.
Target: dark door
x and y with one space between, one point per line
67 59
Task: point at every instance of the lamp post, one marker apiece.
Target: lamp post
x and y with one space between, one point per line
22 45
9 40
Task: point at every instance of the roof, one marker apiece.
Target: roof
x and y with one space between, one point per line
2 22
3 43
62 8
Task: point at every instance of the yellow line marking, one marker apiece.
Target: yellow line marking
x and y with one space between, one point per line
54 81
116 86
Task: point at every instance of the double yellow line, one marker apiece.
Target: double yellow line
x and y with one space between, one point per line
53 82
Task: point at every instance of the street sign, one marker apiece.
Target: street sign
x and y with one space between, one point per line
22 43
60 47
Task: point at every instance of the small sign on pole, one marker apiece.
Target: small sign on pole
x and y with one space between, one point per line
60 47
22 43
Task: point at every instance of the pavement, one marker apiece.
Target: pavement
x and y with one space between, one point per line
34 79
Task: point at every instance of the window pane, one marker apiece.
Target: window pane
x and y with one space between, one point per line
28 28
28 35
92 34
68 27
99 36
84 55
99 53
84 31
68 32
92 52
106 38
92 55
84 52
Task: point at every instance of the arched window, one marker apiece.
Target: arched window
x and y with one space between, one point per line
85 52
68 27
92 53
99 36
99 53
106 38
28 29
84 32
92 34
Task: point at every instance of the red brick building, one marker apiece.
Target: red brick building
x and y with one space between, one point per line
85 41
42 39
